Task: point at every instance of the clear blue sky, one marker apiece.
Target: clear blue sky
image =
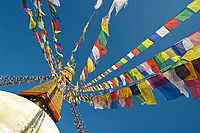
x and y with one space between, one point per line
21 55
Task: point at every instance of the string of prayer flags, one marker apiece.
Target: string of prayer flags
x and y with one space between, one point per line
169 86
159 34
96 7
188 72
55 27
78 121
43 36
44 43
123 97
32 24
14 79
184 48
99 49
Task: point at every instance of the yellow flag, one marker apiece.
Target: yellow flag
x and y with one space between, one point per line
97 87
116 81
125 92
91 89
104 26
40 10
90 65
192 75
194 6
109 70
107 96
193 53
99 77
147 43
123 60
76 99
146 92
106 84
171 54
57 32
137 74
32 24
164 55
85 27
42 45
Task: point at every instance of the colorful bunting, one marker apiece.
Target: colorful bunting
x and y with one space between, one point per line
189 72
159 62
160 33
11 80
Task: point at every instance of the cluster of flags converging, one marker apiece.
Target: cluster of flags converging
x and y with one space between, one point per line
159 34
157 73
170 71
171 82
40 37
155 65
38 27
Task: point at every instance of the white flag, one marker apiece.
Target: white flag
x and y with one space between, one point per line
98 4
55 2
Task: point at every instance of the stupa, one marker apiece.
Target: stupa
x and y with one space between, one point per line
35 110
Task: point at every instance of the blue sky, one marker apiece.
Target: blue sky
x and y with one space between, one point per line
21 55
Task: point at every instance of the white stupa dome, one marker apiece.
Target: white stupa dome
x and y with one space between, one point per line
19 115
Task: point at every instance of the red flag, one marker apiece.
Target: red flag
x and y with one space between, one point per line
128 102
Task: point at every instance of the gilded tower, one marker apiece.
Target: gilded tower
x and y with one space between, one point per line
47 97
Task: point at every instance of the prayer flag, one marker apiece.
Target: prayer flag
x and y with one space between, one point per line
55 2
165 87
136 51
146 92
153 65
195 37
173 78
183 15
141 47
194 6
102 39
162 31
128 102
90 65
155 37
104 26
136 93
172 24
130 55
147 43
